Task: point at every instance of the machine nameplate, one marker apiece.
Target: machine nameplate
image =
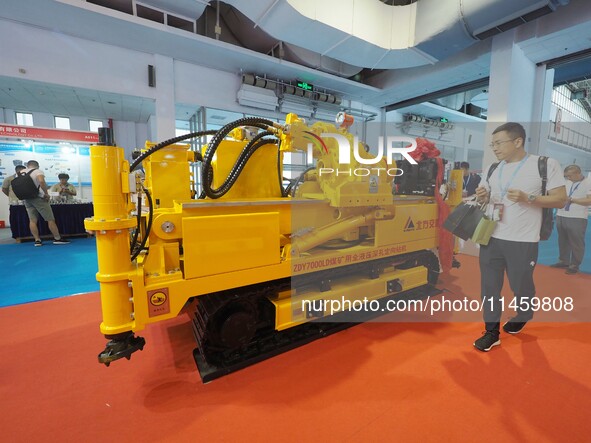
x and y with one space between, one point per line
158 302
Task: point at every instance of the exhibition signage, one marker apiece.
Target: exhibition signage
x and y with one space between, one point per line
32 133
54 158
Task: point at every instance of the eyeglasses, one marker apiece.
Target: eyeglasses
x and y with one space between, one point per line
500 142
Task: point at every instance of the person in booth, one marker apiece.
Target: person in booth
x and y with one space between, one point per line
66 190
471 180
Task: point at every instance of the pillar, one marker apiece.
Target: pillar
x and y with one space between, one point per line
519 91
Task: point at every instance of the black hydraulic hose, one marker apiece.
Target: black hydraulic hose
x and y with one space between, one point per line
207 170
137 229
166 143
215 142
300 178
279 171
249 149
148 228
236 169
239 167
246 153
289 186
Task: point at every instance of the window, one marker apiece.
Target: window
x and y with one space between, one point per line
179 23
61 122
561 97
24 119
118 5
179 131
95 125
150 14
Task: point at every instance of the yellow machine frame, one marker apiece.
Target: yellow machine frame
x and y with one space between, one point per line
251 236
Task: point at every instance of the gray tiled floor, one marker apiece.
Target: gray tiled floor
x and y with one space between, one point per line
6 237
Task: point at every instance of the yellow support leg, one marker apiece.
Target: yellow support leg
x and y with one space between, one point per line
111 223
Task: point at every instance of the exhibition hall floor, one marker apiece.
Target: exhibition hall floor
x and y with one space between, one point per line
61 271
388 381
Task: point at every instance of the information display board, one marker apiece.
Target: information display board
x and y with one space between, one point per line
54 158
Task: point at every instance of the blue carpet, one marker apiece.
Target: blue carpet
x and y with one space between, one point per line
30 274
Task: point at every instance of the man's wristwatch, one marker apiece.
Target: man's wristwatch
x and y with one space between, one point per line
531 198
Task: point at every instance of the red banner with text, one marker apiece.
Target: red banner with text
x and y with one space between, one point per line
32 133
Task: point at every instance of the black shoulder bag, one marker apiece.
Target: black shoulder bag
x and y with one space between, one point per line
24 187
547 213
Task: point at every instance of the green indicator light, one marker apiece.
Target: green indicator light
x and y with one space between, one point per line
305 86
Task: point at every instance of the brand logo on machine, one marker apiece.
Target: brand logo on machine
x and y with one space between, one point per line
409 226
158 298
158 302
387 149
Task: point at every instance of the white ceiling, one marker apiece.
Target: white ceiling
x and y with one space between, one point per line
563 32
213 116
31 96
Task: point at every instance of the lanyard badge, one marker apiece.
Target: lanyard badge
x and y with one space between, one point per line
497 209
570 193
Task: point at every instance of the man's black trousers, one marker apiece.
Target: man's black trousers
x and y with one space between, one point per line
519 260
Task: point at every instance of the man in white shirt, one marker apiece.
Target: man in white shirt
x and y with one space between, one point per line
40 205
7 188
513 192
571 221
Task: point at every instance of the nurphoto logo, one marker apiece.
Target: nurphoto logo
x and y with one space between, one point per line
345 155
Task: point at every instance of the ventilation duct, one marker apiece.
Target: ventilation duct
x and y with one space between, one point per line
488 30
314 60
470 20
244 32
457 101
376 35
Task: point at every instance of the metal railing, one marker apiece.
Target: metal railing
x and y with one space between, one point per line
569 137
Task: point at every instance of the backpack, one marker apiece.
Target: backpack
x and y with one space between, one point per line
547 213
24 187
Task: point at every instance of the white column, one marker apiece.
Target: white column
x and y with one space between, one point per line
152 129
544 108
517 92
165 103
